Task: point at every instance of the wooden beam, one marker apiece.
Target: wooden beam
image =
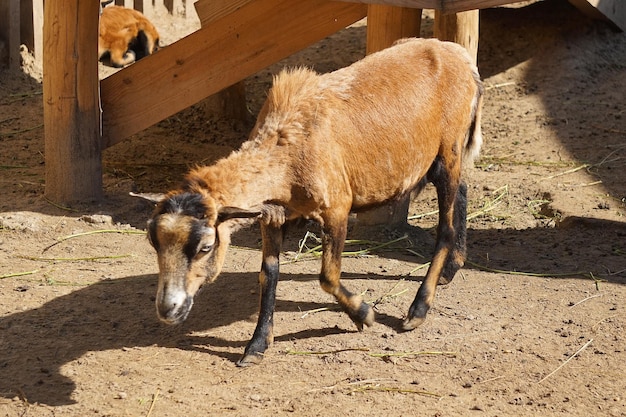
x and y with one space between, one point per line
211 10
232 48
612 10
415 4
461 28
70 97
456 6
447 6
386 24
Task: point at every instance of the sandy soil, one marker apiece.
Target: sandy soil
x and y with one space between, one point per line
534 324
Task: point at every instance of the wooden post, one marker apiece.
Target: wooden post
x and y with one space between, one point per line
14 34
38 30
138 5
230 103
71 101
169 5
386 24
461 28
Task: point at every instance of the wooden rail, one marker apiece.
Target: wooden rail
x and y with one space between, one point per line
445 6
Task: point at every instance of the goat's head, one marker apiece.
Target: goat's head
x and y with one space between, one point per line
191 235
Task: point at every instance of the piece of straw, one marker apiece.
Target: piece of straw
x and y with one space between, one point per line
93 232
566 362
18 274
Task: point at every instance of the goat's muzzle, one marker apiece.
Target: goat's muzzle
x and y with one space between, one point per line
173 307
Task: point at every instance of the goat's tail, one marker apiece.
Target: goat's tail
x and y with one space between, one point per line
474 138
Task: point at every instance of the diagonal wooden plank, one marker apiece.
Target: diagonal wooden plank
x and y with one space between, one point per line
230 49
210 10
611 10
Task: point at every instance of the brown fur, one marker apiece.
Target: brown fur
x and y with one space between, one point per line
325 145
125 35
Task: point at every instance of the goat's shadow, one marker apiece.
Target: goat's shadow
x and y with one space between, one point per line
577 247
35 344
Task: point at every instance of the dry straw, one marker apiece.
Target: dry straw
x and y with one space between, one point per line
154 399
93 232
396 389
19 274
566 362
410 354
78 259
487 207
306 252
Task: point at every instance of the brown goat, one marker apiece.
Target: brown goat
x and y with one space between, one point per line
325 145
125 36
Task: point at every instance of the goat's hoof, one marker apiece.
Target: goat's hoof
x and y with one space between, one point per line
363 316
444 281
252 358
411 323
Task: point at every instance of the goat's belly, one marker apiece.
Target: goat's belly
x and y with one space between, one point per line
369 194
385 175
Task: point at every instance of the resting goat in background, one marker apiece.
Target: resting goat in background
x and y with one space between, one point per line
125 36
325 145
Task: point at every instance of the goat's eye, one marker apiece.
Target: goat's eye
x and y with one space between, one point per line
206 248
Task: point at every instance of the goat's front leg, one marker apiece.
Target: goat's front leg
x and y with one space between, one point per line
333 241
268 278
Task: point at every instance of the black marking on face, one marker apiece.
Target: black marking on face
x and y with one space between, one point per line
192 247
189 204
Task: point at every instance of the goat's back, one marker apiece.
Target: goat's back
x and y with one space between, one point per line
372 130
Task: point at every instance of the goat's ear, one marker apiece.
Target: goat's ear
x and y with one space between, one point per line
152 197
226 213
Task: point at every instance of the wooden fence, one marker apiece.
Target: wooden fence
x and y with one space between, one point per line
21 23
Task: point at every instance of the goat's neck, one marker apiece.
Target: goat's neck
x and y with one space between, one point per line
244 179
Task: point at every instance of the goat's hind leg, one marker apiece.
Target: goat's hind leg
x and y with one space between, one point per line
333 241
456 258
263 335
449 252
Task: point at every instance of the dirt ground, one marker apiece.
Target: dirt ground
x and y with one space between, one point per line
534 324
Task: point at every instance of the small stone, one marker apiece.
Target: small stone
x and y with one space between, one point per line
121 395
97 219
21 221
